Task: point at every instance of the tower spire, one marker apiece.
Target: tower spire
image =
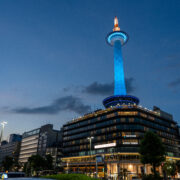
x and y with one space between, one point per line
116 26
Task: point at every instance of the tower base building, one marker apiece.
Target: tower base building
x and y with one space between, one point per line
115 134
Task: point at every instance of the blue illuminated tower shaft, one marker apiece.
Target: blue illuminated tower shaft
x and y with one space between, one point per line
119 81
117 39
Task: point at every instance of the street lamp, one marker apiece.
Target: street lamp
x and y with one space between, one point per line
67 168
90 142
2 130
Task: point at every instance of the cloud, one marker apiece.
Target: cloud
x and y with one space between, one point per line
107 88
69 103
99 89
174 83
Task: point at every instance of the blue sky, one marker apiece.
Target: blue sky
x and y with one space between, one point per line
55 61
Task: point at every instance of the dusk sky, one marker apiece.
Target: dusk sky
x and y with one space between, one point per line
56 64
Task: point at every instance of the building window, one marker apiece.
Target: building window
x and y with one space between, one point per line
123 119
131 120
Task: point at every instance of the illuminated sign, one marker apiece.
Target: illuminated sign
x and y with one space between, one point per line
104 145
129 136
130 142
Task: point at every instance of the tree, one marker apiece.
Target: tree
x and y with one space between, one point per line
7 163
27 169
178 166
170 168
16 165
36 163
48 162
152 150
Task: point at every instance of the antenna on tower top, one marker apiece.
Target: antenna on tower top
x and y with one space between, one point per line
116 26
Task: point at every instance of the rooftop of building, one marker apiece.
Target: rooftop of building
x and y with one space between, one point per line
37 130
156 112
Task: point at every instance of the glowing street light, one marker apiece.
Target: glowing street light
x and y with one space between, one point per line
90 141
2 130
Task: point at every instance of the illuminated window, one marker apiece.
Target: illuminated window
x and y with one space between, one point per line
110 115
146 129
143 115
151 118
123 119
98 118
131 120
128 113
103 130
129 141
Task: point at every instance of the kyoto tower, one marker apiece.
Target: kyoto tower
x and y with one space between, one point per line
117 39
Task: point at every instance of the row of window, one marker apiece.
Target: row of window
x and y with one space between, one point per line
115 135
106 158
29 147
90 133
168 141
115 121
69 153
29 143
29 139
125 113
95 120
121 127
103 151
90 127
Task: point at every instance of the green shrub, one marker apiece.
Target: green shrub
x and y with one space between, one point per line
69 177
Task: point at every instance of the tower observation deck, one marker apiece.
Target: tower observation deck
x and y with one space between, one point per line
117 39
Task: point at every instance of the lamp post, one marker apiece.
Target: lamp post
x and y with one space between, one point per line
67 168
2 130
90 143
